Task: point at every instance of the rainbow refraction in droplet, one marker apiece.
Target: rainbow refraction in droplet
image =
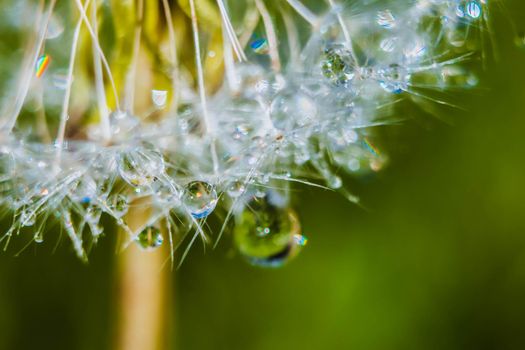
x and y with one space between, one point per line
370 146
41 65
260 46
300 240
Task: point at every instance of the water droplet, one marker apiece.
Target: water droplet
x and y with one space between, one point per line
59 80
415 50
7 161
39 237
93 215
292 109
260 192
394 79
388 44
55 28
340 138
457 76
334 182
519 40
457 36
159 98
386 19
120 205
27 218
165 192
85 191
241 131
7 170
141 166
253 81
200 198
260 46
266 234
236 189
301 155
471 9
354 165
121 124
337 65
150 238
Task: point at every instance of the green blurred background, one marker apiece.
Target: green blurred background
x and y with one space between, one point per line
435 261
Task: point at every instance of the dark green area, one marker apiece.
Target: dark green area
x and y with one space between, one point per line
435 261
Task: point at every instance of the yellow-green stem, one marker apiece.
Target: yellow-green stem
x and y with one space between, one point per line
143 293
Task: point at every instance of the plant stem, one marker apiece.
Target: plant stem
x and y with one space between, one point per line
143 292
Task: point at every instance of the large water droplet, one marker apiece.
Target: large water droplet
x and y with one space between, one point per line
150 238
200 198
266 234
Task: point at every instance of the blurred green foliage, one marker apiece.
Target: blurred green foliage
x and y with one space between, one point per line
435 260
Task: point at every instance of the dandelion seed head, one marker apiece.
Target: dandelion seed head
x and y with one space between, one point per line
290 109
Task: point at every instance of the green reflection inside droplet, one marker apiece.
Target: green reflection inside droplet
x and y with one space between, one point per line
267 235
